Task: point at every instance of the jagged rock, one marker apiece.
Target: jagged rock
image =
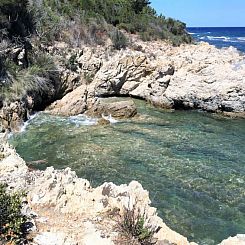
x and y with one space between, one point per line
74 211
237 240
213 92
13 115
190 76
69 194
121 75
118 109
73 103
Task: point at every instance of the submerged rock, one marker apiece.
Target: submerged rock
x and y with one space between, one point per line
103 121
69 211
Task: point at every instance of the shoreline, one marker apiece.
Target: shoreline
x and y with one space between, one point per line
66 194
186 77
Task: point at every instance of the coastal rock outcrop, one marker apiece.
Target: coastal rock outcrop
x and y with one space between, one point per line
71 104
190 76
69 211
194 76
13 115
117 109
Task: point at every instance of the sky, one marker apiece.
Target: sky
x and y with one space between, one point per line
203 13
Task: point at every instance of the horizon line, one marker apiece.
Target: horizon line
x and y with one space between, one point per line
215 26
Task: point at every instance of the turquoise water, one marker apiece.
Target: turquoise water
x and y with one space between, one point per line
192 163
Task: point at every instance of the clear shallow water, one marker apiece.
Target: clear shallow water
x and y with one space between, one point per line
192 163
220 36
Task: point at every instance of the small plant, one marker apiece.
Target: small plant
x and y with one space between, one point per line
71 63
12 221
135 226
118 39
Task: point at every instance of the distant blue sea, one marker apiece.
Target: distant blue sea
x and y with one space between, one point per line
220 36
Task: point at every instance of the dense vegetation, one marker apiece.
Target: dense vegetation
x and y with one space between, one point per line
12 221
51 19
34 24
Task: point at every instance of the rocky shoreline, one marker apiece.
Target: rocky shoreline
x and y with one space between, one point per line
194 76
89 215
66 210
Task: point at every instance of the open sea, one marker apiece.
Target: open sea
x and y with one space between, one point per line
220 36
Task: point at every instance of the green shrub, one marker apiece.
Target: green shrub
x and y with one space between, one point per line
36 79
12 221
135 226
54 18
71 63
118 39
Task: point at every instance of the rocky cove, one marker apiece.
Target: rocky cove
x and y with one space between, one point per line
185 158
67 210
185 77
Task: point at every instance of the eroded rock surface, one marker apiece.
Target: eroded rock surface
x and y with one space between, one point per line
71 104
117 109
190 76
69 211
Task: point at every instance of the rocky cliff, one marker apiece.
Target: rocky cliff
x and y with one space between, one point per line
197 76
187 77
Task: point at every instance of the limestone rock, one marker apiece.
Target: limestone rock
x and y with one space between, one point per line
13 169
117 109
237 240
113 76
73 103
190 76
13 115
74 211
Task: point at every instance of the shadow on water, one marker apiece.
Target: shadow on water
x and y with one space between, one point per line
192 163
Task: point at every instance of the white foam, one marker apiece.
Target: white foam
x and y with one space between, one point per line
214 38
83 120
110 118
25 125
241 38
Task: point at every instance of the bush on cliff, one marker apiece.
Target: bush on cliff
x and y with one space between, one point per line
37 79
134 226
16 21
12 221
35 24
56 19
118 39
